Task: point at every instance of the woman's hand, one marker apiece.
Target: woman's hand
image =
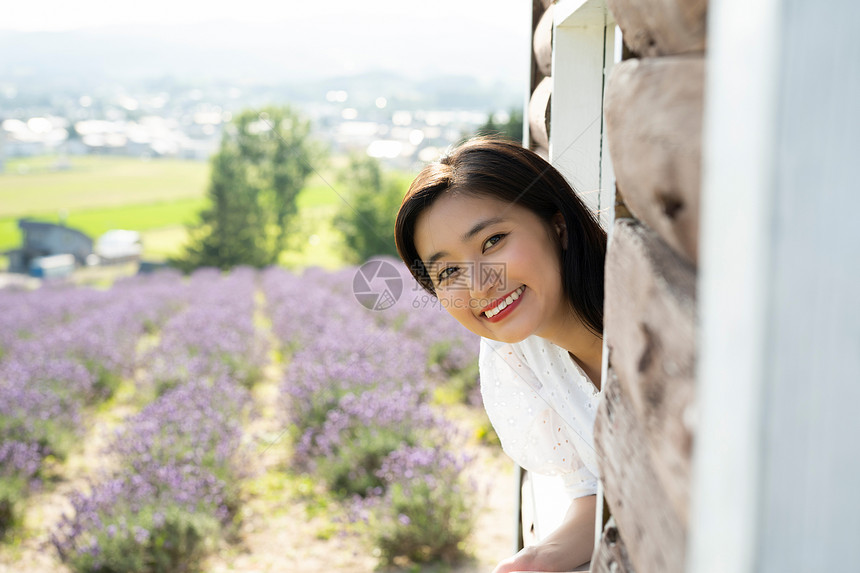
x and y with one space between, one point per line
564 549
543 557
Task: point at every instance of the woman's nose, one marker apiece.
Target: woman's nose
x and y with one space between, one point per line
484 281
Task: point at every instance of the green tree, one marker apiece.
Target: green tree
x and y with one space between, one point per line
264 159
511 129
366 218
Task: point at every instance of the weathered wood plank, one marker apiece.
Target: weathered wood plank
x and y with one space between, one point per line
661 27
542 151
542 42
649 320
611 554
539 113
653 534
654 129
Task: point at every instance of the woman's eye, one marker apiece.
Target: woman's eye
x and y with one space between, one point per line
492 241
446 273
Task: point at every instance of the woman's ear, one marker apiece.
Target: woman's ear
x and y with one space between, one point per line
560 229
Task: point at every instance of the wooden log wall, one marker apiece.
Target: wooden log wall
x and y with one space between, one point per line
645 427
538 114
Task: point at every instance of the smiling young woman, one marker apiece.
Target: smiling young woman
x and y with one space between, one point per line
464 237
500 237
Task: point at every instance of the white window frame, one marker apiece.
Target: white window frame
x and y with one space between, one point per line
584 51
586 44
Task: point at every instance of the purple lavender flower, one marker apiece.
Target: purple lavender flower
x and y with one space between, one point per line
180 459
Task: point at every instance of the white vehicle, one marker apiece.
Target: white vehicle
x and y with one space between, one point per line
119 245
52 266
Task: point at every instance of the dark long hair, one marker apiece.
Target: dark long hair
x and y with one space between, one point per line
506 171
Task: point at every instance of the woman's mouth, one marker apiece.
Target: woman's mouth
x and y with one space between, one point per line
500 308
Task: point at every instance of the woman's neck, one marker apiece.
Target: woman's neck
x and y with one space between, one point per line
590 371
585 347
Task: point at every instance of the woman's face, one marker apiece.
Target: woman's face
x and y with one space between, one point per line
496 266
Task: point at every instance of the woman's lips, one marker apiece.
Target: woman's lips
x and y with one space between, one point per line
503 306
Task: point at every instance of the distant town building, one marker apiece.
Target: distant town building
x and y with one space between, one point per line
42 239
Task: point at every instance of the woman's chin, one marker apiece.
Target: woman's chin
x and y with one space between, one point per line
508 337
504 331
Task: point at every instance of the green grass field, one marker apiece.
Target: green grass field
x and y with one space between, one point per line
156 197
95 194
37 185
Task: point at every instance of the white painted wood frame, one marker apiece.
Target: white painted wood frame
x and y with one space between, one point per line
776 483
584 51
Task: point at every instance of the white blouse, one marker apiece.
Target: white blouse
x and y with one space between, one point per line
542 406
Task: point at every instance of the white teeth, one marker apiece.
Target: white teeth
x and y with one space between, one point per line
504 304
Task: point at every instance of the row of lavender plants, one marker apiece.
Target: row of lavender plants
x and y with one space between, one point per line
356 394
357 397
63 350
178 463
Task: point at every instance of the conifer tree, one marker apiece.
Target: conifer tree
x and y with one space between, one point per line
262 164
366 219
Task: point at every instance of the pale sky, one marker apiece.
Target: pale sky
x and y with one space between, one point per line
482 37
42 15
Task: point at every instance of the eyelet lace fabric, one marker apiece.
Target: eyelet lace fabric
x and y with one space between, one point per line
542 406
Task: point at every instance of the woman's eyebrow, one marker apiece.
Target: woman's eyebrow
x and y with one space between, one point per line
435 258
480 226
476 228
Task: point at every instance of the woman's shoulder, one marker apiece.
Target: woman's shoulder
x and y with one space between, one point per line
530 386
532 360
532 352
539 362
505 362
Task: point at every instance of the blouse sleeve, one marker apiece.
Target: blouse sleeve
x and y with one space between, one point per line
530 429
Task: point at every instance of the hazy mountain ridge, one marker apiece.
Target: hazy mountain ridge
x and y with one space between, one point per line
300 50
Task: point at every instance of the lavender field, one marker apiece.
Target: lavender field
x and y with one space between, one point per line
161 424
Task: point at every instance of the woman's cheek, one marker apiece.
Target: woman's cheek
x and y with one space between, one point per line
451 301
456 302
